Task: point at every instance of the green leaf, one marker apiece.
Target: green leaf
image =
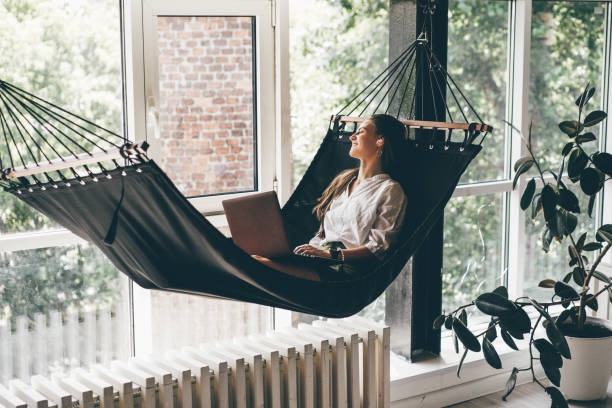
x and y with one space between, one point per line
568 276
557 338
536 206
494 304
592 246
590 181
463 317
491 333
580 242
548 353
448 323
569 201
461 362
603 161
585 96
528 194
547 283
604 233
592 303
516 323
501 291
591 206
549 202
570 127
490 354
567 148
508 339
569 221
601 277
465 336
520 162
594 118
579 275
558 400
576 163
585 137
563 316
553 374
523 168
510 384
437 324
565 291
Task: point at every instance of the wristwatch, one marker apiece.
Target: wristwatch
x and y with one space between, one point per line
335 253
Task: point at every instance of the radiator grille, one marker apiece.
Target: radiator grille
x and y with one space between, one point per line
340 363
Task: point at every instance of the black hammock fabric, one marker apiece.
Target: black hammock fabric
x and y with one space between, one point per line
163 242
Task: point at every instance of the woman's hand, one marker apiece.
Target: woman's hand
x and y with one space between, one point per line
311 250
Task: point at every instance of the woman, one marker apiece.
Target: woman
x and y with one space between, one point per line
362 210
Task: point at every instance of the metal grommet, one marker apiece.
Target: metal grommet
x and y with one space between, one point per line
55 186
431 147
95 179
43 188
108 176
68 184
30 190
18 191
82 182
123 173
445 147
461 148
138 170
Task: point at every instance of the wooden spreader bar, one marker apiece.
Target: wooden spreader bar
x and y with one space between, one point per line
422 124
127 151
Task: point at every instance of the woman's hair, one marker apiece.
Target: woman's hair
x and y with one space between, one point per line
393 132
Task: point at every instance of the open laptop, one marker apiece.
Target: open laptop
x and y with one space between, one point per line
256 225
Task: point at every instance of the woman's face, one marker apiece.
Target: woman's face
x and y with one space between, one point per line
365 141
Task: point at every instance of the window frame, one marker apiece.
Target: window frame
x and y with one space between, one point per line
143 84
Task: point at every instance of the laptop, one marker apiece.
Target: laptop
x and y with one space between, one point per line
256 225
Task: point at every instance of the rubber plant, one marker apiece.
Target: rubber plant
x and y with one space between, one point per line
547 195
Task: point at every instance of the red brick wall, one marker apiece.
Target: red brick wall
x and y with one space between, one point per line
206 103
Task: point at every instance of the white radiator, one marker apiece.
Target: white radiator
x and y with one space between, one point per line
329 364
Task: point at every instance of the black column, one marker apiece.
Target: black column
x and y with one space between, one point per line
415 297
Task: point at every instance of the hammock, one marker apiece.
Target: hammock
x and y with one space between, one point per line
106 190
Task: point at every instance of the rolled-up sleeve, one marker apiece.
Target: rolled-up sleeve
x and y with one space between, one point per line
315 241
391 210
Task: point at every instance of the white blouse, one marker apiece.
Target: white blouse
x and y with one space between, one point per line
370 216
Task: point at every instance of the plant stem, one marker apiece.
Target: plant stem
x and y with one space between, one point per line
531 351
586 283
535 161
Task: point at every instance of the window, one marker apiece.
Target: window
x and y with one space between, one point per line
62 303
559 46
208 72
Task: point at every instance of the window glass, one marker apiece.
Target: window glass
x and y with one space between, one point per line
60 307
207 112
65 52
477 61
472 258
567 41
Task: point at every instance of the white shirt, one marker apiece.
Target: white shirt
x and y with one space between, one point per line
371 216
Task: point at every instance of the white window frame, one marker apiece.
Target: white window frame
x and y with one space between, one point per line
143 84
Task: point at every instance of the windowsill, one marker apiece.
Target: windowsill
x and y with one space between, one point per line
433 382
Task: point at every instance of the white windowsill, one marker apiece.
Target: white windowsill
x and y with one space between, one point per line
434 382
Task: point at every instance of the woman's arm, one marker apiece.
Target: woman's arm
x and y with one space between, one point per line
353 254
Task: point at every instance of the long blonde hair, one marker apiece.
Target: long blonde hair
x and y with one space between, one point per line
394 132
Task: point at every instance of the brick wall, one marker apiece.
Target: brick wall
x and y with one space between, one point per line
206 103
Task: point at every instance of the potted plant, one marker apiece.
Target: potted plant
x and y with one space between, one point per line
576 350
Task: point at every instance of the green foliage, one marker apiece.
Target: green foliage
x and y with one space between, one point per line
67 52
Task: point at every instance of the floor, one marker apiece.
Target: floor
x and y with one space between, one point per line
528 395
